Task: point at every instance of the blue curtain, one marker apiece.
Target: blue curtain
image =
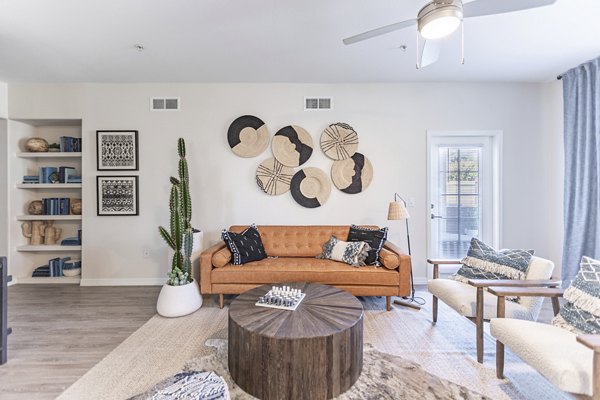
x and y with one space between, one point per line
581 93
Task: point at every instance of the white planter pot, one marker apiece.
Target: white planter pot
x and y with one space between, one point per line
177 301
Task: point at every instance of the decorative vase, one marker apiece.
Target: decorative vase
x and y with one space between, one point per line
76 206
35 208
177 301
36 145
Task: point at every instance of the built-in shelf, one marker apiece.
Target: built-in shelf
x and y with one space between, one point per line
49 154
48 247
49 218
49 185
51 279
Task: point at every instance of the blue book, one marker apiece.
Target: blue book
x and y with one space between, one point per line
48 174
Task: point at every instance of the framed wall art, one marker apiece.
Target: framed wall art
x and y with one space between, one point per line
117 195
117 150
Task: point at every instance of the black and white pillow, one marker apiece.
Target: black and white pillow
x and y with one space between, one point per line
353 253
375 238
246 246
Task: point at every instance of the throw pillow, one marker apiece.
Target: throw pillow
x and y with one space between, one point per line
581 313
246 246
484 262
353 253
375 238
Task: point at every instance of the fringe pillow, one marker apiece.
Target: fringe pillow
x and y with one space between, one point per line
485 262
353 253
581 313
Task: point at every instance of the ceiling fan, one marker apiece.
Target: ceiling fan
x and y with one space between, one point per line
440 18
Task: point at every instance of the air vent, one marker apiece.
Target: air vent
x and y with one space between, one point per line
164 103
317 103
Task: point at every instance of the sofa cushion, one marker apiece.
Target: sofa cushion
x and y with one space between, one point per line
375 238
484 262
296 269
553 351
297 241
581 313
389 259
352 253
221 258
245 246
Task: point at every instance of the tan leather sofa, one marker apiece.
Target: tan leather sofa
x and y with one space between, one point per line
292 251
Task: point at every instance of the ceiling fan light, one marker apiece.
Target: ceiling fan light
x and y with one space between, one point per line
440 27
439 18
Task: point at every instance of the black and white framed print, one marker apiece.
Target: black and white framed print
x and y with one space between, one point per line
117 195
117 150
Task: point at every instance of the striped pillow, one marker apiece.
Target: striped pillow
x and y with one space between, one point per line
353 253
581 313
485 262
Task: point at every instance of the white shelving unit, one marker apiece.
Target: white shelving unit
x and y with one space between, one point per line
49 218
25 258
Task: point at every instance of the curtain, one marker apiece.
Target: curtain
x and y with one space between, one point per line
581 95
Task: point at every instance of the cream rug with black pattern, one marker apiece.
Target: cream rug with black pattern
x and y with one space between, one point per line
408 353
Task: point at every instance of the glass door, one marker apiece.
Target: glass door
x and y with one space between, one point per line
460 181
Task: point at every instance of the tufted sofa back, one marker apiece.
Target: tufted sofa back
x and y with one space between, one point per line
297 241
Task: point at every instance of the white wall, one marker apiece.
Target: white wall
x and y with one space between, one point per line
3 169
391 119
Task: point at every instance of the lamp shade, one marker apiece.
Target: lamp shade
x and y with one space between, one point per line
397 210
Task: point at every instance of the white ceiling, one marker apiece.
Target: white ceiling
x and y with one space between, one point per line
279 41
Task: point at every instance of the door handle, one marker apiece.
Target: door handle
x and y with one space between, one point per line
433 216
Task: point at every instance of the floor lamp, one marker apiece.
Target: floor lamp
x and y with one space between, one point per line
398 211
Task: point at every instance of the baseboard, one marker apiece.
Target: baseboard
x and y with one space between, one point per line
420 280
123 282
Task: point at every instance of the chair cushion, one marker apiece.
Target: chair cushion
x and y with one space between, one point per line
296 269
352 253
389 259
462 297
581 313
484 262
553 351
375 238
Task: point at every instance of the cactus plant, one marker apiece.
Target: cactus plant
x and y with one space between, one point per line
180 233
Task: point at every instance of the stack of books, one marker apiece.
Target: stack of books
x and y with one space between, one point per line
56 266
31 179
48 175
56 206
69 144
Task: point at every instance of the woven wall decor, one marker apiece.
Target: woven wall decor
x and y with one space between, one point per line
310 187
248 136
273 178
352 175
292 146
339 141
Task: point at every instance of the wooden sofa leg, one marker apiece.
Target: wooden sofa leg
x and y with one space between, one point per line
435 309
388 303
221 300
499 359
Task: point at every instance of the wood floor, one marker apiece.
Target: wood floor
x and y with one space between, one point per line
61 331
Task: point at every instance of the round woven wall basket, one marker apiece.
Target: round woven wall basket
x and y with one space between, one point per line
310 187
248 136
292 146
273 178
339 141
352 175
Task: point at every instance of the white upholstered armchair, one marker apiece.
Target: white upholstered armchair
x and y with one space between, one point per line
471 300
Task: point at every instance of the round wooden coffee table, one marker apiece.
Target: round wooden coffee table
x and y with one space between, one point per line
314 352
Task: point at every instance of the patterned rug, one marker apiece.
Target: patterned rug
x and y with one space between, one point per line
384 376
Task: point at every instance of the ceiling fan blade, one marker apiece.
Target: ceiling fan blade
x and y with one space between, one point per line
480 8
379 31
429 52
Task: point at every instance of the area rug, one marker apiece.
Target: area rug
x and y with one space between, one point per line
446 350
384 376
